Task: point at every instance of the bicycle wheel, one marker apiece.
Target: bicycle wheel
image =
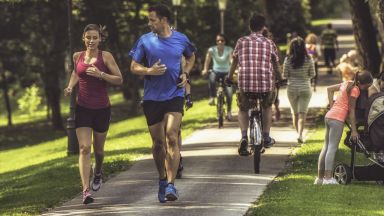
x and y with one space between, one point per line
257 144
220 110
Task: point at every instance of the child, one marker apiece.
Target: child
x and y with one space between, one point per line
334 122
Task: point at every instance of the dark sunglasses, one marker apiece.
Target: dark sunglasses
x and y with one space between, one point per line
220 40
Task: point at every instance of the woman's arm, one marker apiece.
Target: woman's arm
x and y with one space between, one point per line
207 62
352 117
115 77
331 91
74 79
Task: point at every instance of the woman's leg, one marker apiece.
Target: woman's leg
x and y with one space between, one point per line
321 162
84 136
98 148
212 85
335 133
303 102
301 123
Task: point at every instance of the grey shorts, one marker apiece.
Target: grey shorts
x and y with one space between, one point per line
299 99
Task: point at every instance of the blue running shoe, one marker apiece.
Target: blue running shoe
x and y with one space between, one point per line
161 193
171 193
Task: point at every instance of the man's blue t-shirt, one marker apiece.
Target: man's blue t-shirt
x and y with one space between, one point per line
149 49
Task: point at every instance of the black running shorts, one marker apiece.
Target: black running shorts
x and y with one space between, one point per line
155 111
97 119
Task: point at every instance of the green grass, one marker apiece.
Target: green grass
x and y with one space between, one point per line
36 173
293 192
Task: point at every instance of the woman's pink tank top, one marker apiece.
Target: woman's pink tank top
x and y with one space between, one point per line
92 91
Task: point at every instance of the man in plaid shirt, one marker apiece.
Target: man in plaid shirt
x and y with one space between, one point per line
254 54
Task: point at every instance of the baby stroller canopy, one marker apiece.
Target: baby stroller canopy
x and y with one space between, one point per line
375 120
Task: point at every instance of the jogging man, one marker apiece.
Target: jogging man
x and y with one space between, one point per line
254 54
157 55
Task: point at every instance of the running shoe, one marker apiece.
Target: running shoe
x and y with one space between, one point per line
269 142
87 196
243 147
171 193
96 182
161 193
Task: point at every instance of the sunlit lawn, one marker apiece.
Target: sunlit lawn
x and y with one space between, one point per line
36 173
293 193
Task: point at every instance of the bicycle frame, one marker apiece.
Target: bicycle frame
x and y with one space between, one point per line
256 129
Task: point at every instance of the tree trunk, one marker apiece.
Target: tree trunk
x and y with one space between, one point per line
6 98
55 61
365 36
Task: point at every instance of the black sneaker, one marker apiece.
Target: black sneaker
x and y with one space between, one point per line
180 169
243 147
188 102
269 142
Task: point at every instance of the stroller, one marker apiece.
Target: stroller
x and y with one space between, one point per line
370 143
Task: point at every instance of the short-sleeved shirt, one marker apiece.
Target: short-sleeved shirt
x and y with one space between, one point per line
221 63
328 38
149 49
339 110
299 78
255 53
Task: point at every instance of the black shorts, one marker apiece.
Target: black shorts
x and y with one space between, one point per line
155 111
97 119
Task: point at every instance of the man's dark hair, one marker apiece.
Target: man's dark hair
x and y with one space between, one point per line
329 25
162 11
257 22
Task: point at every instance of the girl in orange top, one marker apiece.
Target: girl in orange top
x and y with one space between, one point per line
343 106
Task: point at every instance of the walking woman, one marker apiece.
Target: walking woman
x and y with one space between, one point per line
299 69
93 69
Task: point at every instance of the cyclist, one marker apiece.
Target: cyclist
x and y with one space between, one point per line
254 53
221 56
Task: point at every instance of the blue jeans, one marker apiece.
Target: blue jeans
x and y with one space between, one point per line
213 77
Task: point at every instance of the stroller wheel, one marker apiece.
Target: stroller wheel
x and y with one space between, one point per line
342 173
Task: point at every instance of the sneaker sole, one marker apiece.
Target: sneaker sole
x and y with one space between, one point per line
171 197
88 200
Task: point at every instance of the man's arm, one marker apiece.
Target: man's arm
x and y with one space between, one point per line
156 69
189 62
235 61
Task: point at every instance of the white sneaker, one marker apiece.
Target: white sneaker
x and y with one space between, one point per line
318 181
330 181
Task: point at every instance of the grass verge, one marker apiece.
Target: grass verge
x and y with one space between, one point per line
293 192
36 173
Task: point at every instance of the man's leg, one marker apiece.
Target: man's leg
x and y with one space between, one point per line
159 152
172 127
158 147
243 118
172 121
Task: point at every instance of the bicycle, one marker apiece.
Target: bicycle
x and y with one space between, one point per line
256 141
220 102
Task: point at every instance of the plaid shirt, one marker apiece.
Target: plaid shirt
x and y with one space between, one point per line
255 53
